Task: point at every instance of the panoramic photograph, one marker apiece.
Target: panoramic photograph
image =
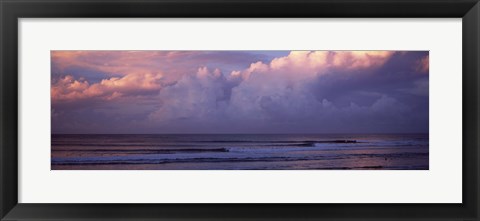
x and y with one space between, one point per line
239 110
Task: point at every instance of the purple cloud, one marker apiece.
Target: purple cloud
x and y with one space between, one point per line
239 92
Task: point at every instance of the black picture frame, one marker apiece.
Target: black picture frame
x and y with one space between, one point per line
12 10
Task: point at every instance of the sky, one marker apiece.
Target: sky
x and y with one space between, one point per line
170 92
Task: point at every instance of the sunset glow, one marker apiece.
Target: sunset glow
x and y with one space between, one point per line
239 91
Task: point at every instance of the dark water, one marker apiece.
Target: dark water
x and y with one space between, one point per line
240 152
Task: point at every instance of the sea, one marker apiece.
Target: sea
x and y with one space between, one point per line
240 152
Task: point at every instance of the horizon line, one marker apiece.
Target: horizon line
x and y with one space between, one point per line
229 133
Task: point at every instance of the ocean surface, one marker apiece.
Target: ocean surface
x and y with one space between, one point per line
240 152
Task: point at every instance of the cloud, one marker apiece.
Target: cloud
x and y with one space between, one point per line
277 94
69 89
288 83
360 59
173 64
300 64
288 93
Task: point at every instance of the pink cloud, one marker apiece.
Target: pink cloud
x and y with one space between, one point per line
123 63
263 88
360 59
140 73
70 89
176 89
313 63
281 74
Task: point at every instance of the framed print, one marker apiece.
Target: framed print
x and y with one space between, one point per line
239 110
208 120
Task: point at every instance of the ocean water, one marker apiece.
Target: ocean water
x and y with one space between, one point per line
240 152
